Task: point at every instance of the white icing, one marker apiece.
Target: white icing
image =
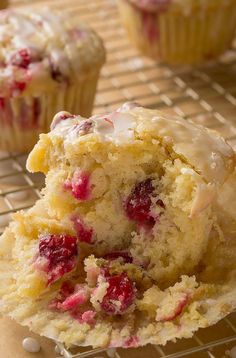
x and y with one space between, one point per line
104 126
205 150
56 44
205 194
117 127
187 171
31 345
126 106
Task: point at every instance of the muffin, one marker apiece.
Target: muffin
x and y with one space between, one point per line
180 31
133 241
47 64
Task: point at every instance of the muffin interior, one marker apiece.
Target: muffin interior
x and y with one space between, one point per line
119 250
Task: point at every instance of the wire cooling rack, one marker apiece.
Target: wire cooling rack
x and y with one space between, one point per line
206 95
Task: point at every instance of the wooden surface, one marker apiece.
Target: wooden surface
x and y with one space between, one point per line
11 336
206 95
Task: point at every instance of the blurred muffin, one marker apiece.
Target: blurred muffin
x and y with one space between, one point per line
46 64
180 31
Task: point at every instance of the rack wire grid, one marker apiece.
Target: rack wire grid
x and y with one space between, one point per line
205 94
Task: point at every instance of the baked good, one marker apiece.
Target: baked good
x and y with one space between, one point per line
48 63
133 240
180 31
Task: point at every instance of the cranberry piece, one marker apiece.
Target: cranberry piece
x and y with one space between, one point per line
127 258
61 252
133 342
84 317
88 317
70 297
138 204
2 103
84 127
79 297
84 233
17 87
120 294
66 290
21 58
79 185
181 304
61 116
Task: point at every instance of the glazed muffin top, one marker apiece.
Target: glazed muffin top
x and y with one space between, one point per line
44 49
205 149
184 5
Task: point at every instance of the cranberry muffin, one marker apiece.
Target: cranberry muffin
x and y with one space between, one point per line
133 240
47 64
180 31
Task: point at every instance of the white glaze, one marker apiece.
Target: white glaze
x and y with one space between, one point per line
205 150
54 41
205 195
31 345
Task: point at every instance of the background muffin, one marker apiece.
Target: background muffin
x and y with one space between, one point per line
180 31
47 64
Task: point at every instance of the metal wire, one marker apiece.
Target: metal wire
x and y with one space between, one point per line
206 95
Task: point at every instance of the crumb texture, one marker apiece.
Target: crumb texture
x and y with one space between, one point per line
133 241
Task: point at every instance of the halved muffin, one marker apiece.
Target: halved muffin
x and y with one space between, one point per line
133 241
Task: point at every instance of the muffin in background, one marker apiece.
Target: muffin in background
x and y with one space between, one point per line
180 31
47 64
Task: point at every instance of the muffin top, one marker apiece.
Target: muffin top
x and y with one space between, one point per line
205 149
44 47
183 5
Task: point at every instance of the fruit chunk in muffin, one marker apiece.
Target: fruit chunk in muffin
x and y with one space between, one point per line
128 244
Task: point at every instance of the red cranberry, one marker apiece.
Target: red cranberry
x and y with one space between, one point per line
61 116
120 294
2 103
127 258
84 233
79 185
181 304
133 342
17 87
61 252
78 298
67 289
84 317
138 204
21 58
